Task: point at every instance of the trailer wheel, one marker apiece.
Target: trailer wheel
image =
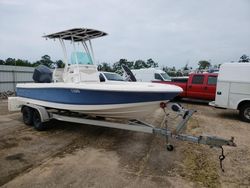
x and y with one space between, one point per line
38 124
27 115
170 147
245 112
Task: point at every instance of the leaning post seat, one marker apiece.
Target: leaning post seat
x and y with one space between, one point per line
81 69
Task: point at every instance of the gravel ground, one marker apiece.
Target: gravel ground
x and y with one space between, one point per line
73 155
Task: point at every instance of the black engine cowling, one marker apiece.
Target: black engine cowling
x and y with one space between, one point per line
42 74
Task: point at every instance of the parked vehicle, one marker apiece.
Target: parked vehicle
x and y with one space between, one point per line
109 77
233 88
196 86
150 74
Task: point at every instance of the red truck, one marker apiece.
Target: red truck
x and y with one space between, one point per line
196 86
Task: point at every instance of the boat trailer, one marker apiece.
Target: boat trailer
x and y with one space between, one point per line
41 115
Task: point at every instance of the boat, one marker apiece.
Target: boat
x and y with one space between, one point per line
77 87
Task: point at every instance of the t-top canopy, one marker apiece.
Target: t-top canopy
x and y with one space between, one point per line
77 34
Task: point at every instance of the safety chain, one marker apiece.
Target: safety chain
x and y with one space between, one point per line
221 158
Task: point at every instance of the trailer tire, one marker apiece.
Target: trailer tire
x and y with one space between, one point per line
245 112
170 147
38 124
27 115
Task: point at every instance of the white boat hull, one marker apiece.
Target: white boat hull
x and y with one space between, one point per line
125 111
116 100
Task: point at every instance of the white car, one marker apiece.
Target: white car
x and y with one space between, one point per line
109 77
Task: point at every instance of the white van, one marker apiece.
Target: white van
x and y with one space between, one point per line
233 88
150 74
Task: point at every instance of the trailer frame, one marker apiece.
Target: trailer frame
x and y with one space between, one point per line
41 115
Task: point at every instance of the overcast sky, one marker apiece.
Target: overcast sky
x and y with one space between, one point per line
171 32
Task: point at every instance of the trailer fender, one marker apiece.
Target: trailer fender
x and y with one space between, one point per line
45 116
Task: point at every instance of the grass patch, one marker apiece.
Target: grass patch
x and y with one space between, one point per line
200 168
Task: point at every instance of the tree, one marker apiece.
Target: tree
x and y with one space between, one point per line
105 67
2 62
117 67
165 69
59 64
151 63
10 61
203 64
244 58
186 67
170 71
45 60
179 73
215 66
24 63
139 64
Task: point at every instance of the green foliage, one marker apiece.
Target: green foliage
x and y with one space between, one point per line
2 62
171 71
151 63
140 64
185 67
20 62
59 64
203 64
16 62
244 58
10 61
117 67
105 67
179 73
45 60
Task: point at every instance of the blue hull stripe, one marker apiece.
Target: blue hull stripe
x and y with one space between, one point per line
91 97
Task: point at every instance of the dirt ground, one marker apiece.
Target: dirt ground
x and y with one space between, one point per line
74 155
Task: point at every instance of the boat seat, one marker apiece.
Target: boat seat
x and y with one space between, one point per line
88 73
58 75
81 73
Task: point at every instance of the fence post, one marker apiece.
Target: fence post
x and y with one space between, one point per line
14 80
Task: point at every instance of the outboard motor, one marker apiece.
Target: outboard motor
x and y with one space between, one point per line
42 74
